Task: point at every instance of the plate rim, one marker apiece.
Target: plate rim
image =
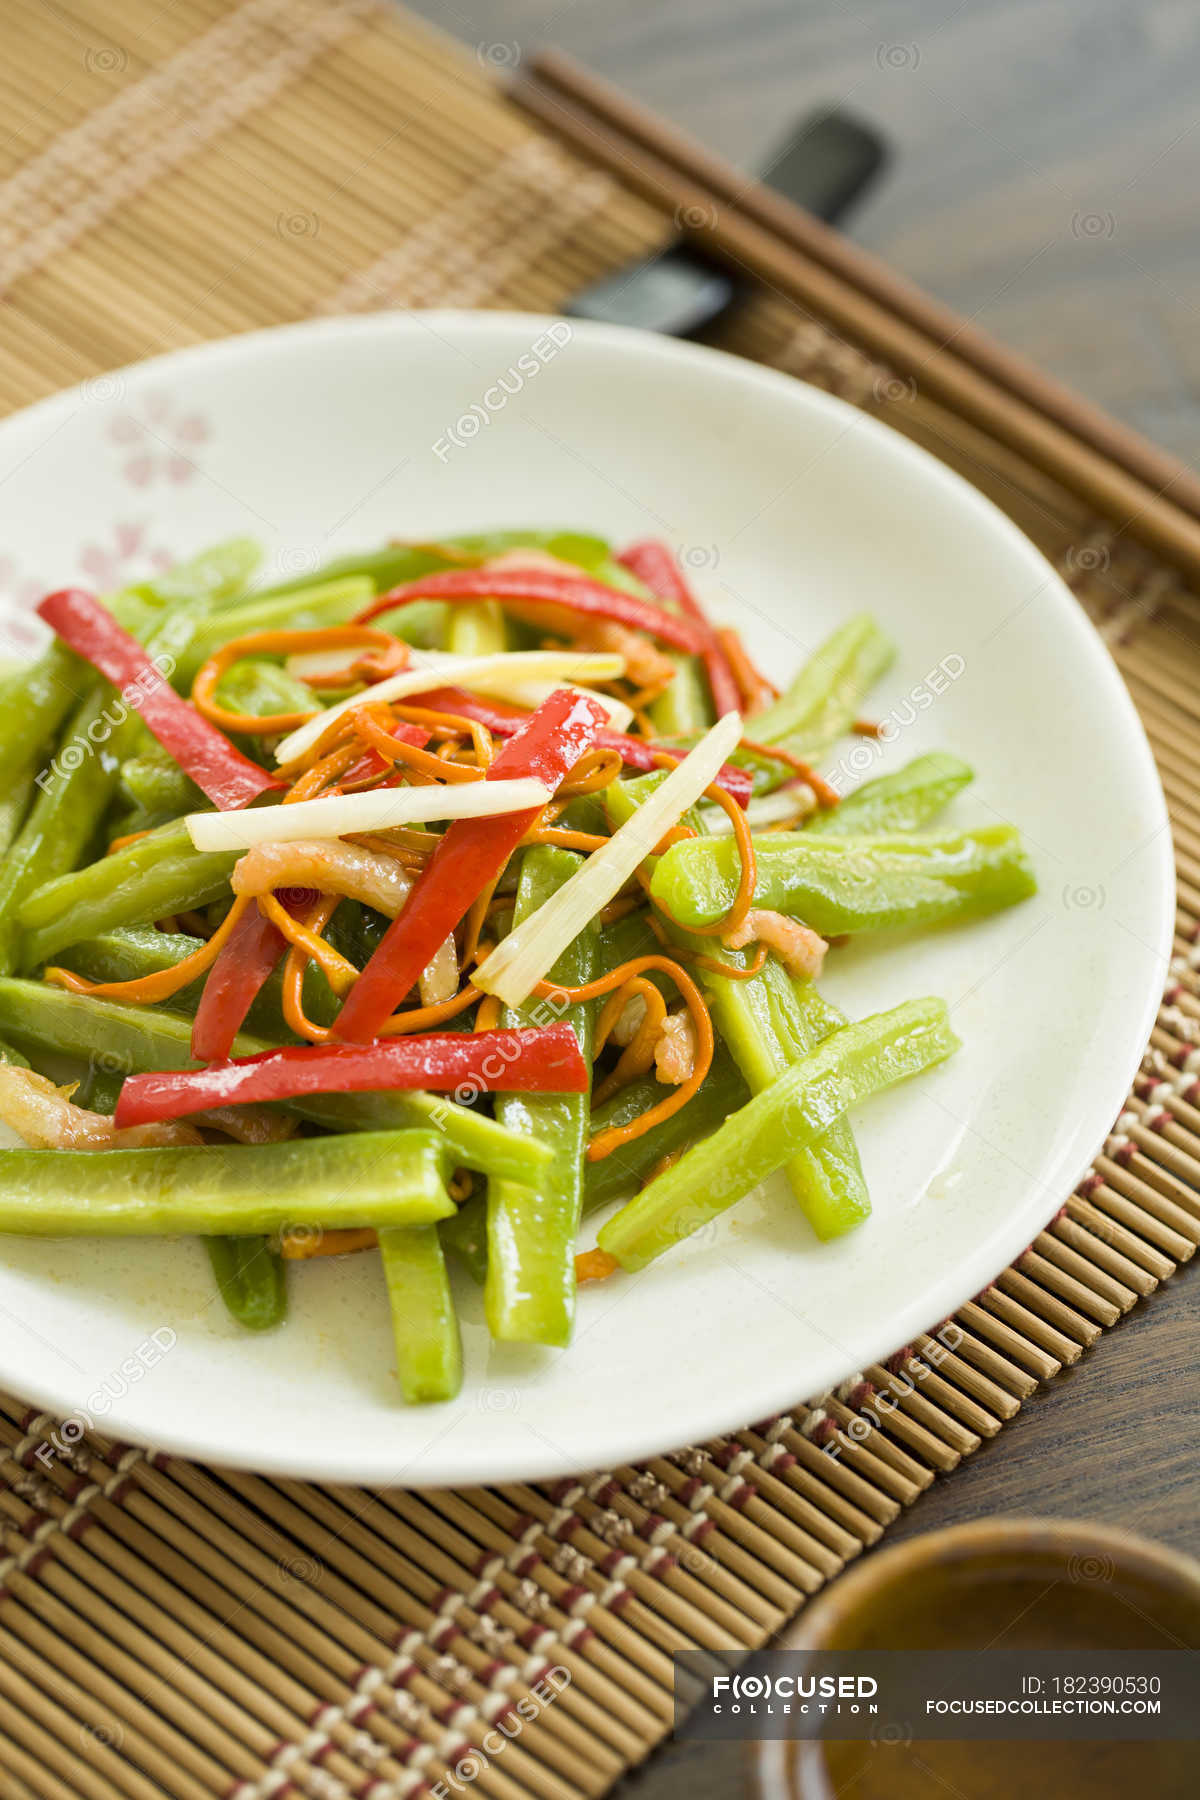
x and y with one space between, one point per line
692 1421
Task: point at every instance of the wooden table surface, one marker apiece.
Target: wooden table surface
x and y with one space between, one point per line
1047 163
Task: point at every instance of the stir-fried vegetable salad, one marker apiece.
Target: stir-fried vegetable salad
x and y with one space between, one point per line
423 905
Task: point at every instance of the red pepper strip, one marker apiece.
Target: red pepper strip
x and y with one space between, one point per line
657 569
234 980
542 1059
468 858
229 779
639 753
545 587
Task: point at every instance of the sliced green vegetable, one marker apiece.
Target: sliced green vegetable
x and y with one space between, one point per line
154 782
220 574
684 708
14 805
259 687
360 1179
790 1115
903 801
465 1236
768 1026
850 884
477 630
158 875
767 1022
251 1278
826 697
721 1092
424 1323
529 1295
99 1089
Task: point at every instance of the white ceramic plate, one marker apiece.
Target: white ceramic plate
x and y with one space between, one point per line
791 511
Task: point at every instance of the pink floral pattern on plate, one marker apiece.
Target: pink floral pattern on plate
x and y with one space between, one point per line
20 591
157 440
128 552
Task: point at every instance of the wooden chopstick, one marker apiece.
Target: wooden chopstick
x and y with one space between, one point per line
1156 467
1146 493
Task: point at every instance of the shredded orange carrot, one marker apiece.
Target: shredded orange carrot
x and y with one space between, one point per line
420 1018
278 643
453 723
712 964
565 840
130 837
867 728
731 971
299 1246
338 972
594 1265
488 1016
593 772
676 835
326 770
395 750
755 689
637 1058
825 795
295 1017
164 982
605 1142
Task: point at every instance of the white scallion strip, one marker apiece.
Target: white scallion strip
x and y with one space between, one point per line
377 809
520 961
493 674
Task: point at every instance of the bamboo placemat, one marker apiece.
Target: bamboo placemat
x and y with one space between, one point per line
167 1630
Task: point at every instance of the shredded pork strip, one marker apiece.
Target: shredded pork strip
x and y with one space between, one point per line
675 1051
48 1119
329 865
354 872
800 949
